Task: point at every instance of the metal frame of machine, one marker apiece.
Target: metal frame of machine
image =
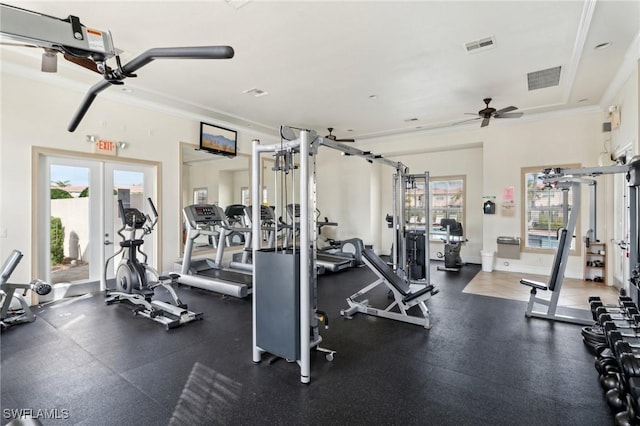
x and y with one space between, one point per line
567 178
304 331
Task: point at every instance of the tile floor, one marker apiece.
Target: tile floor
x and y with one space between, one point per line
506 285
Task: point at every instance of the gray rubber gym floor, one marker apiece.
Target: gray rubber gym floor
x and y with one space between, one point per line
481 363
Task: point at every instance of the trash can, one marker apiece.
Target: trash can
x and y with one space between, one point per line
487 260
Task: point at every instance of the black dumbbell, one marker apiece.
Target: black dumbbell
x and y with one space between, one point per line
624 303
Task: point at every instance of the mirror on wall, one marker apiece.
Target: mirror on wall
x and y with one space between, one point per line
211 179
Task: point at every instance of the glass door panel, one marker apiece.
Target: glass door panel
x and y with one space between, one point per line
131 184
70 223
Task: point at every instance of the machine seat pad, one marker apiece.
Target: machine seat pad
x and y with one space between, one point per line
409 297
387 272
534 284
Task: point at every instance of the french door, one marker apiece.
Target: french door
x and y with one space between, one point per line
78 218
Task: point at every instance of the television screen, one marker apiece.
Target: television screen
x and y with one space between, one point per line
218 140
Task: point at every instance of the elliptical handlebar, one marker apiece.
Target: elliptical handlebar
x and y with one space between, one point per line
154 221
134 219
124 223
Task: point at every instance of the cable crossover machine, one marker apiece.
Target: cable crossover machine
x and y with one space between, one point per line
285 314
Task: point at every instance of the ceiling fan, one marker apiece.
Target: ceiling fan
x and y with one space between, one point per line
487 113
333 137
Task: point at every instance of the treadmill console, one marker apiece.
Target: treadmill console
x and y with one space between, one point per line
203 214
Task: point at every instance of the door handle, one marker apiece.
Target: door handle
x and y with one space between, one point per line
107 242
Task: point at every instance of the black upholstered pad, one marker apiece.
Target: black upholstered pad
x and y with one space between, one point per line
384 269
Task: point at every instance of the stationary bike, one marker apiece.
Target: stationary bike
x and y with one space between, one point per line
12 315
135 280
452 245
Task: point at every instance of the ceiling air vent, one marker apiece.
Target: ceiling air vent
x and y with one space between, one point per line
480 45
545 78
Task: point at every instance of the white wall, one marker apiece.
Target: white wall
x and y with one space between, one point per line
37 114
464 162
240 180
627 101
344 188
507 147
350 190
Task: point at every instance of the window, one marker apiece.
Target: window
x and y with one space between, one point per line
200 195
447 202
544 212
245 196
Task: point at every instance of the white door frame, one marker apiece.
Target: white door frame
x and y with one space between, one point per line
40 238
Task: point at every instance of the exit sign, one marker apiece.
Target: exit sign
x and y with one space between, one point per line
105 147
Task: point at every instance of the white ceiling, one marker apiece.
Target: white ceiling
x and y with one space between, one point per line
321 62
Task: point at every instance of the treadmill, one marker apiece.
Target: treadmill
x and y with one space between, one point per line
324 261
243 261
206 273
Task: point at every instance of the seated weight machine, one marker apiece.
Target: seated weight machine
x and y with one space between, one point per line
565 238
11 315
408 281
135 280
572 179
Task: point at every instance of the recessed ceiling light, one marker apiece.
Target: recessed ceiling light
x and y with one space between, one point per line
408 120
373 96
349 130
602 45
583 100
126 90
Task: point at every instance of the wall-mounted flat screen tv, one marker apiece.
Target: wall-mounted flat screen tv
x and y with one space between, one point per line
218 140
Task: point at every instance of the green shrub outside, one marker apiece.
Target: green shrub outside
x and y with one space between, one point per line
57 241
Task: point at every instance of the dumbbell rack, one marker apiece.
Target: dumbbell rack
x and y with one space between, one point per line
595 263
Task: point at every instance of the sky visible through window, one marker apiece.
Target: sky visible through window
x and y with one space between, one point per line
80 176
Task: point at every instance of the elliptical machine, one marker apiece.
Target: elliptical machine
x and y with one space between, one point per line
452 245
135 281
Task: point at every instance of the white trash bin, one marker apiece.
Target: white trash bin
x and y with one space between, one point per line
487 260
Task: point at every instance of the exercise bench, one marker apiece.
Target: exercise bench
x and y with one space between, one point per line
405 295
